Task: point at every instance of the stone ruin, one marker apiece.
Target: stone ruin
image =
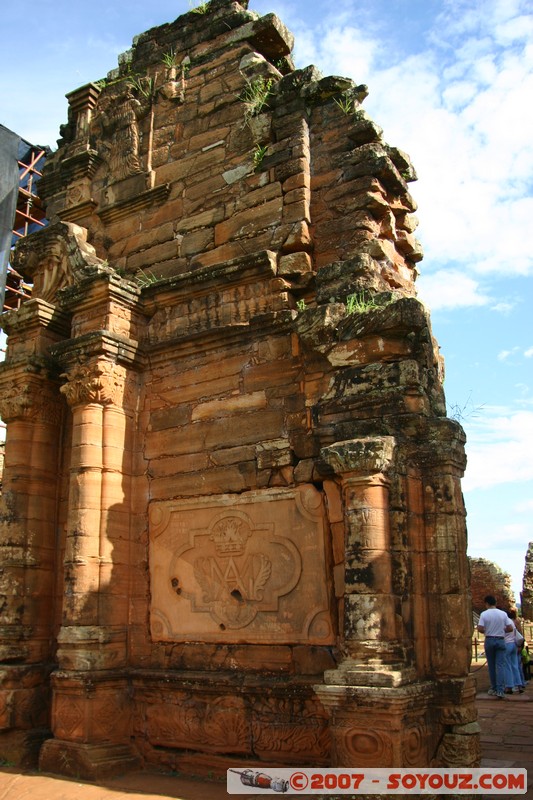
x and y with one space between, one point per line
526 595
486 577
232 524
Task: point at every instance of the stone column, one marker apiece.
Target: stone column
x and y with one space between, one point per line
370 617
90 717
526 595
374 680
93 634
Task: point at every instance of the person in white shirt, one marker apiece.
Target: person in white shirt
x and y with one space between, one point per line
495 623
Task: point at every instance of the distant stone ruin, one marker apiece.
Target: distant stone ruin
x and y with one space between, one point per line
232 523
488 578
526 596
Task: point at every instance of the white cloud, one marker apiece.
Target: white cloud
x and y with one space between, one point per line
525 506
459 108
447 289
503 307
499 449
507 537
503 355
338 50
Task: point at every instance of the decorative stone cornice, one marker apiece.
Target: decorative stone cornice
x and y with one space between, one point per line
124 208
97 346
367 456
36 313
66 166
78 212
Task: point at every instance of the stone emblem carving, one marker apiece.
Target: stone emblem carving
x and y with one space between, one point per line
240 568
234 580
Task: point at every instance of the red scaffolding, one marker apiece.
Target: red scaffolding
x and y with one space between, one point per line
29 216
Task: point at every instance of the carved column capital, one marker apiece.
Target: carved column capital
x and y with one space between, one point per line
30 401
102 382
16 403
360 457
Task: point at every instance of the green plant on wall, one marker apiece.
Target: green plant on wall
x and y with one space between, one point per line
168 59
103 83
359 302
145 278
201 8
142 85
346 104
255 96
258 155
185 66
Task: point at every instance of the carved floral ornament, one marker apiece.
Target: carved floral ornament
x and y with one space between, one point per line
103 382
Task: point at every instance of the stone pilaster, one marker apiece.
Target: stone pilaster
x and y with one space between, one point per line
373 680
400 733
370 638
91 714
32 408
93 633
447 592
443 598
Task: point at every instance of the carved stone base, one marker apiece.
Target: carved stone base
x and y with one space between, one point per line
181 719
401 733
87 761
90 707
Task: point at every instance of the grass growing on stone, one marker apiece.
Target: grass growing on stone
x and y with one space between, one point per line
359 303
255 96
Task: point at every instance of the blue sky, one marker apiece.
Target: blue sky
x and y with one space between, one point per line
451 83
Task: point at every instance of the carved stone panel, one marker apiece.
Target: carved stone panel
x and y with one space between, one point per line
210 723
240 568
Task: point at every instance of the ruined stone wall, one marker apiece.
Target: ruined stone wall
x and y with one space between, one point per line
233 490
526 596
488 578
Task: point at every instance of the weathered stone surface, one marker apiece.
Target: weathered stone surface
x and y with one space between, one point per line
231 524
